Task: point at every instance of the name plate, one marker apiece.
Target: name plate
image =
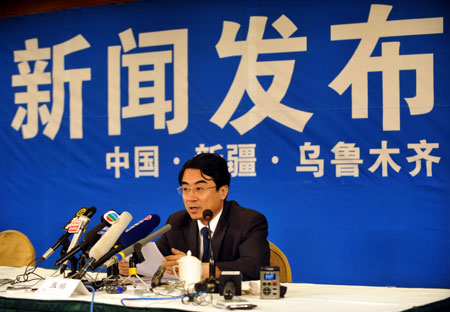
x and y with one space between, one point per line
62 287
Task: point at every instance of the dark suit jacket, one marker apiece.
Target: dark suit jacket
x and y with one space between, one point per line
239 242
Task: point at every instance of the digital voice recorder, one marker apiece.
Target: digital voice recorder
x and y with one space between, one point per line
270 282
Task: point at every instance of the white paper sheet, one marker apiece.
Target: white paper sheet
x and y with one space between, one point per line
153 259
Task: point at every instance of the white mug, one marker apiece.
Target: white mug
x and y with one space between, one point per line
189 270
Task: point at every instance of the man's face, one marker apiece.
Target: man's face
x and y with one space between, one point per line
202 194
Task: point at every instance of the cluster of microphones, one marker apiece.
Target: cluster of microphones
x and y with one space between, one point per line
110 241
105 244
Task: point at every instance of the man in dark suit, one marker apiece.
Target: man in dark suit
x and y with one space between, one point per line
239 235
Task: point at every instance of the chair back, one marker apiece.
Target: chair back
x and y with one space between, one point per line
278 258
16 249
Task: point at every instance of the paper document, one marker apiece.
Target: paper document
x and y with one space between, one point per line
153 259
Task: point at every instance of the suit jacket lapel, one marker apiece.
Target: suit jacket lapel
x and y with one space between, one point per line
191 237
221 229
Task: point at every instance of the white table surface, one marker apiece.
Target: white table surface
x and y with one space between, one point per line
299 297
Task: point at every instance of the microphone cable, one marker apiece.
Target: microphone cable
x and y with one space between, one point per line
200 298
29 270
93 295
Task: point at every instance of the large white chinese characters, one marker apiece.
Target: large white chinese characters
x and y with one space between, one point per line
33 97
390 63
267 103
147 80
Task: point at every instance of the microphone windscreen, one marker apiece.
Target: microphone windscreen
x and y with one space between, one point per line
207 214
139 230
131 236
107 241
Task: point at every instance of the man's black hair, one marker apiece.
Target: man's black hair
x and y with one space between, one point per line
209 164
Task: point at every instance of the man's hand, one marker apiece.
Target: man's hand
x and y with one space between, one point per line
124 267
172 260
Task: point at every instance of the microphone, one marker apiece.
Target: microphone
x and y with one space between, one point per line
156 279
91 237
129 250
230 284
77 227
131 236
106 242
229 290
208 215
87 212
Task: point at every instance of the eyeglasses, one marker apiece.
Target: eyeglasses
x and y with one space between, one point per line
197 190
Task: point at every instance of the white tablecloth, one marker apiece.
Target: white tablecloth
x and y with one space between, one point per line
299 297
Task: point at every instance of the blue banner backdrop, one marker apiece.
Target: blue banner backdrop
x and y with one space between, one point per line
332 115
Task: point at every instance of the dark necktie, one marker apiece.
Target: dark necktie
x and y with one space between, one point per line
205 236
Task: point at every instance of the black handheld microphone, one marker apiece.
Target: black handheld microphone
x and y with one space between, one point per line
208 215
91 237
106 242
156 279
229 290
230 284
87 212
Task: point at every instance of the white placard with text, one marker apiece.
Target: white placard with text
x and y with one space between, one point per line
62 287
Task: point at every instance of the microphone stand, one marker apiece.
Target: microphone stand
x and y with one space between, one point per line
213 283
210 284
136 258
212 263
